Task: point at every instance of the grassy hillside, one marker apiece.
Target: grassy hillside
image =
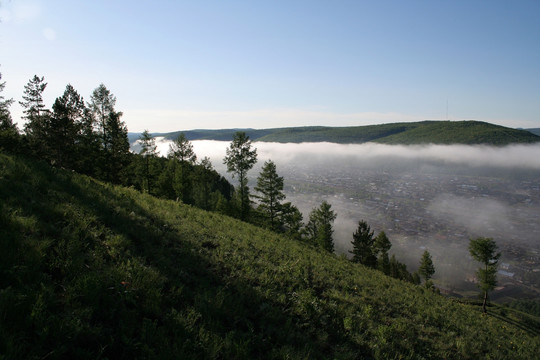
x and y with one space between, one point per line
425 132
90 270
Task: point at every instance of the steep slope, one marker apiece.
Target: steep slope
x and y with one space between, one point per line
90 270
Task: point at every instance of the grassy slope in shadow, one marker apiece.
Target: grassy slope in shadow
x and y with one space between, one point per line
90 270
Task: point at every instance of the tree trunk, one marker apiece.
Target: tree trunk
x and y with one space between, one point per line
485 302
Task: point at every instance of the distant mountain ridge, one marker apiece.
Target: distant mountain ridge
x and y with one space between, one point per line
414 133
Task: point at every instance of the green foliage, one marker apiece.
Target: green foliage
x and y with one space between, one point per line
426 269
270 187
9 135
363 241
148 151
484 250
424 132
91 270
240 159
319 229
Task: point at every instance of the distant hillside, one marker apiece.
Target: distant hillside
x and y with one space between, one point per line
425 132
90 270
535 131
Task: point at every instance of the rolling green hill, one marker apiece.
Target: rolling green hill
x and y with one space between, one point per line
425 132
91 270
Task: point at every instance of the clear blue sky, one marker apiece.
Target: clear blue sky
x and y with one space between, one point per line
177 65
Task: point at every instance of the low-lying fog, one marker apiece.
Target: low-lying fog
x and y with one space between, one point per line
433 196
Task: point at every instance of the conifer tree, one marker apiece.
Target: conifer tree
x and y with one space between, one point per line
148 151
270 186
240 159
101 105
291 220
203 179
112 133
117 154
8 131
484 250
36 114
182 151
64 130
426 269
319 229
363 251
381 246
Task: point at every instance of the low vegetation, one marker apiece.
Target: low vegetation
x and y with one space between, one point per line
94 270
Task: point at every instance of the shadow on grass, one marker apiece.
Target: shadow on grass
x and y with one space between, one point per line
118 281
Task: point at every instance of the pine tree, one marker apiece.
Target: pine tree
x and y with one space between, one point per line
112 133
240 159
202 181
37 116
8 131
182 151
381 246
148 151
319 229
270 186
291 219
363 245
484 250
426 269
101 106
64 130
117 154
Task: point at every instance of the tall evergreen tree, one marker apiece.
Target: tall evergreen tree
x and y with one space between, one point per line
240 159
270 186
101 106
117 153
363 251
64 130
484 250
182 151
202 180
33 98
426 269
291 219
8 131
148 151
319 228
112 133
36 115
381 247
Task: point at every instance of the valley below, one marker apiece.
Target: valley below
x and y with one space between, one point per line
424 197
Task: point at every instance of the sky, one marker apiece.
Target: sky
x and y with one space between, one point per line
180 65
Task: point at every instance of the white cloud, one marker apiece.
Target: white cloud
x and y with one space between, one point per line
49 34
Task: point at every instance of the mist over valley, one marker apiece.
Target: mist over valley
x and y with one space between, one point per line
433 197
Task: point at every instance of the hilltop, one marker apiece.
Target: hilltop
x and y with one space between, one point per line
93 270
424 132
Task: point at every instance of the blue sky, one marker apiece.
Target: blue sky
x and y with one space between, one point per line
178 65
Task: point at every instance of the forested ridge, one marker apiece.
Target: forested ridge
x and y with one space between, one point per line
110 254
413 133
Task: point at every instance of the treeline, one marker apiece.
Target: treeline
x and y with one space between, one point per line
90 138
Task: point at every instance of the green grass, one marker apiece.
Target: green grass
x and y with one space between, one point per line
90 270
